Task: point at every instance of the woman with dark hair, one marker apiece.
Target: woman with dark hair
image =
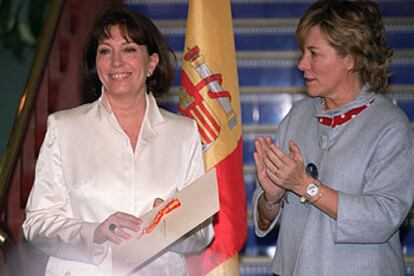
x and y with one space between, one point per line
338 179
103 165
136 28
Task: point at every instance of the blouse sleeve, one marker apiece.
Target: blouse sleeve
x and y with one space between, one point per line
375 215
201 236
49 223
259 232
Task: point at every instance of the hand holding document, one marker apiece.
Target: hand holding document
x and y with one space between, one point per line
167 222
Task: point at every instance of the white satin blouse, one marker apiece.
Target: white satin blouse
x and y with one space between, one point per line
87 170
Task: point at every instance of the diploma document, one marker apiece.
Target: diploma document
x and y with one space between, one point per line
166 223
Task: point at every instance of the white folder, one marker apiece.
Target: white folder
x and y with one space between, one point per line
198 201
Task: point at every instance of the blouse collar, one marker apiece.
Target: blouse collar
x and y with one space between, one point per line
365 97
152 112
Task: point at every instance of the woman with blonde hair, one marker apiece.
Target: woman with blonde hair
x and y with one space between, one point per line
338 178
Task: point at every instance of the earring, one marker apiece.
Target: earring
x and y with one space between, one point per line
149 74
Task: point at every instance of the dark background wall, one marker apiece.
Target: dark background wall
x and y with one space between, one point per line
21 22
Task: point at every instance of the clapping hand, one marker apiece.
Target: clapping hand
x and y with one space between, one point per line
271 188
286 170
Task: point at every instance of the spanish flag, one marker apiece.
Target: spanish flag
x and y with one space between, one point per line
210 95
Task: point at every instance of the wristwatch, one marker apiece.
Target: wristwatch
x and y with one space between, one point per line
312 193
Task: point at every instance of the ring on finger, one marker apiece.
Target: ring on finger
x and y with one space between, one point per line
112 227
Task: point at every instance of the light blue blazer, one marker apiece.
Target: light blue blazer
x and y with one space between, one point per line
369 160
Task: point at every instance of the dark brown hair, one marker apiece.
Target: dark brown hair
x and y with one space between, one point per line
355 28
141 30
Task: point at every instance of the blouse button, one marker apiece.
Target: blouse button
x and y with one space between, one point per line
323 141
312 170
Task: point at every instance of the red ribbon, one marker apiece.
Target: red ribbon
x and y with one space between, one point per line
172 205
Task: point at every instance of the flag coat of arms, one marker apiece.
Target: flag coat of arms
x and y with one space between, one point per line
209 94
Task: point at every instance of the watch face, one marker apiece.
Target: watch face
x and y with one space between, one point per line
312 190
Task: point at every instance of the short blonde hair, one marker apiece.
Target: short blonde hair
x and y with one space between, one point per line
355 28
